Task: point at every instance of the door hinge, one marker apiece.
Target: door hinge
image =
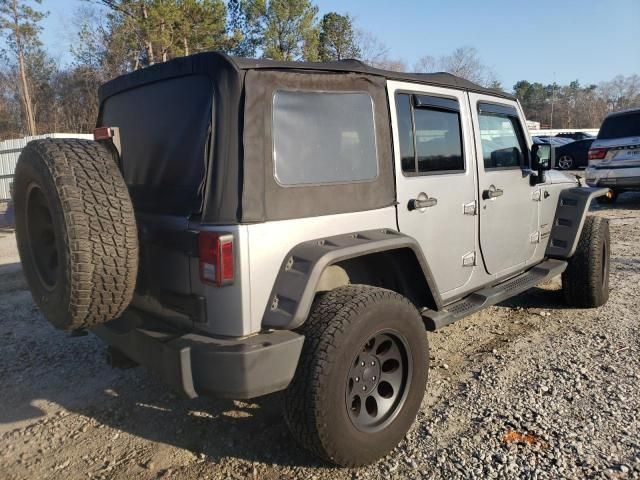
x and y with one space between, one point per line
469 259
534 237
470 208
536 196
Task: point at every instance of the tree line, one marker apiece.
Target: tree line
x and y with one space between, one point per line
113 37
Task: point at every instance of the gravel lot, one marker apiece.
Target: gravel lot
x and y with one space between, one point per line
527 389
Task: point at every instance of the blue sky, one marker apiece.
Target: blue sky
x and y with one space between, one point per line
541 40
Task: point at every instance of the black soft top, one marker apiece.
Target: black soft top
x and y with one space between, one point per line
214 64
196 136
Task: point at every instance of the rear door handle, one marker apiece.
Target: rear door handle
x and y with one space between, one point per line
492 192
417 204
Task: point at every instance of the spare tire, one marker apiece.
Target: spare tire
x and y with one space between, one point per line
76 231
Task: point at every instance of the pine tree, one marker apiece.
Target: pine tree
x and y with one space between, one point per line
291 30
337 38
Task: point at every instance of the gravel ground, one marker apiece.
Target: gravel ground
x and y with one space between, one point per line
527 389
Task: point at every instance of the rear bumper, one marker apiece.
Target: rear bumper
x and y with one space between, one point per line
620 183
623 178
196 365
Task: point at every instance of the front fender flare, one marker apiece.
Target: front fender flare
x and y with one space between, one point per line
573 204
295 286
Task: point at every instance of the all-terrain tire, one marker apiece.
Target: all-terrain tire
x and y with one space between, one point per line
337 334
585 282
76 231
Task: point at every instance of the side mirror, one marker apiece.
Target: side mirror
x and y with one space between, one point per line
543 158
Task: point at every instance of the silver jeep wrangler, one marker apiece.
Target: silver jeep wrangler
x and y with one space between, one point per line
242 227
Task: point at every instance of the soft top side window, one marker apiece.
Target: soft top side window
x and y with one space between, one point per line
323 137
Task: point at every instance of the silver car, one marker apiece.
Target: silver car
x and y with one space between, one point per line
614 157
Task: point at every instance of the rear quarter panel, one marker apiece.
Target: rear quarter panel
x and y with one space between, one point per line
268 244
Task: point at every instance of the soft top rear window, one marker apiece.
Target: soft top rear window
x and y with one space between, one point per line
620 126
323 137
164 132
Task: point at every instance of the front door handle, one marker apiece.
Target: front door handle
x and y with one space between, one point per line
420 203
492 192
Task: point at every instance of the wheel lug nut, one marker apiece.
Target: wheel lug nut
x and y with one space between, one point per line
364 388
373 378
373 364
362 364
357 379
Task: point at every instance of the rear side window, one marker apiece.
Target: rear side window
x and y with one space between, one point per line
430 134
620 126
323 137
502 142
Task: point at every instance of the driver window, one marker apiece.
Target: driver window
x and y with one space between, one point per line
502 143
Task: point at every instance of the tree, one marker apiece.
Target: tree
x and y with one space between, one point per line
201 26
246 26
20 23
621 92
375 53
291 31
337 38
463 62
150 31
426 64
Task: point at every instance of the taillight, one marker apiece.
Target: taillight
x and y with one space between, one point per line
215 250
598 153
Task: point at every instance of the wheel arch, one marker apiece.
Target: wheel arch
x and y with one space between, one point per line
382 258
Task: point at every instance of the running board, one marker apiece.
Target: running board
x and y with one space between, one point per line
488 296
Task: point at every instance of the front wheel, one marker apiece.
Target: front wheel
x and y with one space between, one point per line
585 282
361 375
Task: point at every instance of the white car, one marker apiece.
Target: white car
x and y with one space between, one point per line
614 157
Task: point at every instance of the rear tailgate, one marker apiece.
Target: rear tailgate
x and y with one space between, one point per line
165 138
164 277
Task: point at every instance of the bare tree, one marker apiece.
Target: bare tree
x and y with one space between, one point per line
621 92
426 64
464 62
375 53
372 50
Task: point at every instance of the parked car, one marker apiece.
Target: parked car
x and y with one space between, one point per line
548 140
614 157
576 135
573 154
242 227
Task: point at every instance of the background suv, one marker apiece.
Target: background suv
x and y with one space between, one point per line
614 157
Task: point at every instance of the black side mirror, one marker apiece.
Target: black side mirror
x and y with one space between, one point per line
543 158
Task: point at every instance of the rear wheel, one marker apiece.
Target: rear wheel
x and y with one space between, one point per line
76 231
361 376
565 162
585 282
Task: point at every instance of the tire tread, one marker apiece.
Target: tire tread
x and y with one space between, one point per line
101 233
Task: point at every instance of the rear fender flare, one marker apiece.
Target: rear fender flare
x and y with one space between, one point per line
302 268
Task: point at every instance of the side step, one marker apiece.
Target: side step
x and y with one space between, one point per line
491 295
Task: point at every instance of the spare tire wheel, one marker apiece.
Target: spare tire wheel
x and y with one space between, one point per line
76 231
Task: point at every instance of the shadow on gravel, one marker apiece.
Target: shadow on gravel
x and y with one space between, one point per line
253 431
627 201
43 369
537 298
